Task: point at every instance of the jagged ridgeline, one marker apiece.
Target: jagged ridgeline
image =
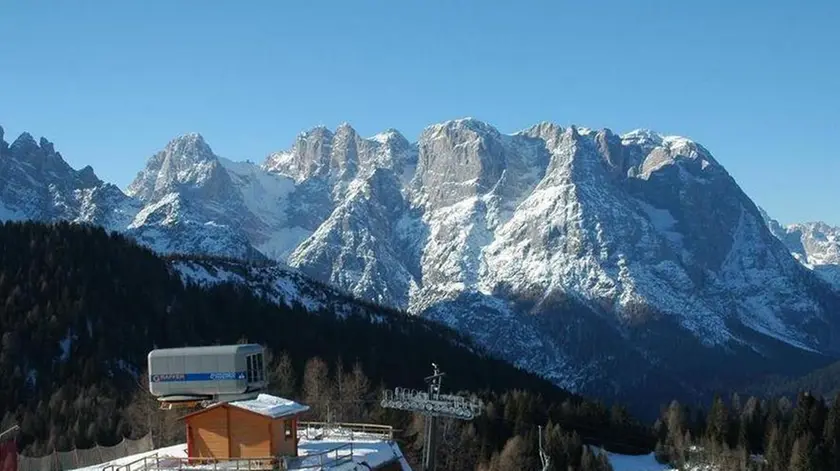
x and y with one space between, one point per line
629 267
80 308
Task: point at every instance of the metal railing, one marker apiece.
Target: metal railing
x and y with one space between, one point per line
170 463
9 432
136 465
332 457
383 432
326 459
251 464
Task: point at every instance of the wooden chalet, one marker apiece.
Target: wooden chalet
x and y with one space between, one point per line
264 427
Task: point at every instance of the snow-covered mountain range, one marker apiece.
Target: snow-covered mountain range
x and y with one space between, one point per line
815 244
605 262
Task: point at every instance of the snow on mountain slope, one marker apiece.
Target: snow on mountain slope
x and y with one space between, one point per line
191 204
186 199
814 244
639 230
342 156
598 244
266 196
281 285
596 227
470 179
36 183
592 258
324 166
359 247
352 190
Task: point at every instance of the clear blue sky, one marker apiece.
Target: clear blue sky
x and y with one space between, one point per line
110 82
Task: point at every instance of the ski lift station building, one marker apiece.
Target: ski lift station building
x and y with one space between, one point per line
237 420
214 373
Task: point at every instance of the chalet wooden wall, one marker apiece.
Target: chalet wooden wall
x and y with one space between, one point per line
230 432
209 434
250 434
282 445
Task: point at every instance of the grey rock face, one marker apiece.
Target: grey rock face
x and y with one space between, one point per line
36 183
814 244
191 204
592 258
310 156
187 165
639 230
324 164
364 237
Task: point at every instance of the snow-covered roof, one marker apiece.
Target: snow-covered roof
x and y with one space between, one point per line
344 450
271 406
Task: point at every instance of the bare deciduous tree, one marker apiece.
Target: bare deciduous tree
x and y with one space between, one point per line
316 388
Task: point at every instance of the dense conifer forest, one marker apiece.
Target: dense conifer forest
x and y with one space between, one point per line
752 434
823 381
80 309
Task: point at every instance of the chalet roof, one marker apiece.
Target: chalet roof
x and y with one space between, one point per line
265 405
271 406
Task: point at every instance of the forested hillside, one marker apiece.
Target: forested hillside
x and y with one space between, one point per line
821 382
753 434
81 308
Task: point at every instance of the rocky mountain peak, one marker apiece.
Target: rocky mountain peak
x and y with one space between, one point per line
37 183
345 128
814 244
346 140
4 146
24 145
496 234
88 176
46 146
332 160
391 135
614 154
316 132
460 127
642 136
547 131
39 157
186 163
190 148
308 157
393 151
457 159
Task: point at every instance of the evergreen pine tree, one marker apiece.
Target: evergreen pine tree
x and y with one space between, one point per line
661 453
831 435
801 457
717 429
773 452
603 463
587 460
